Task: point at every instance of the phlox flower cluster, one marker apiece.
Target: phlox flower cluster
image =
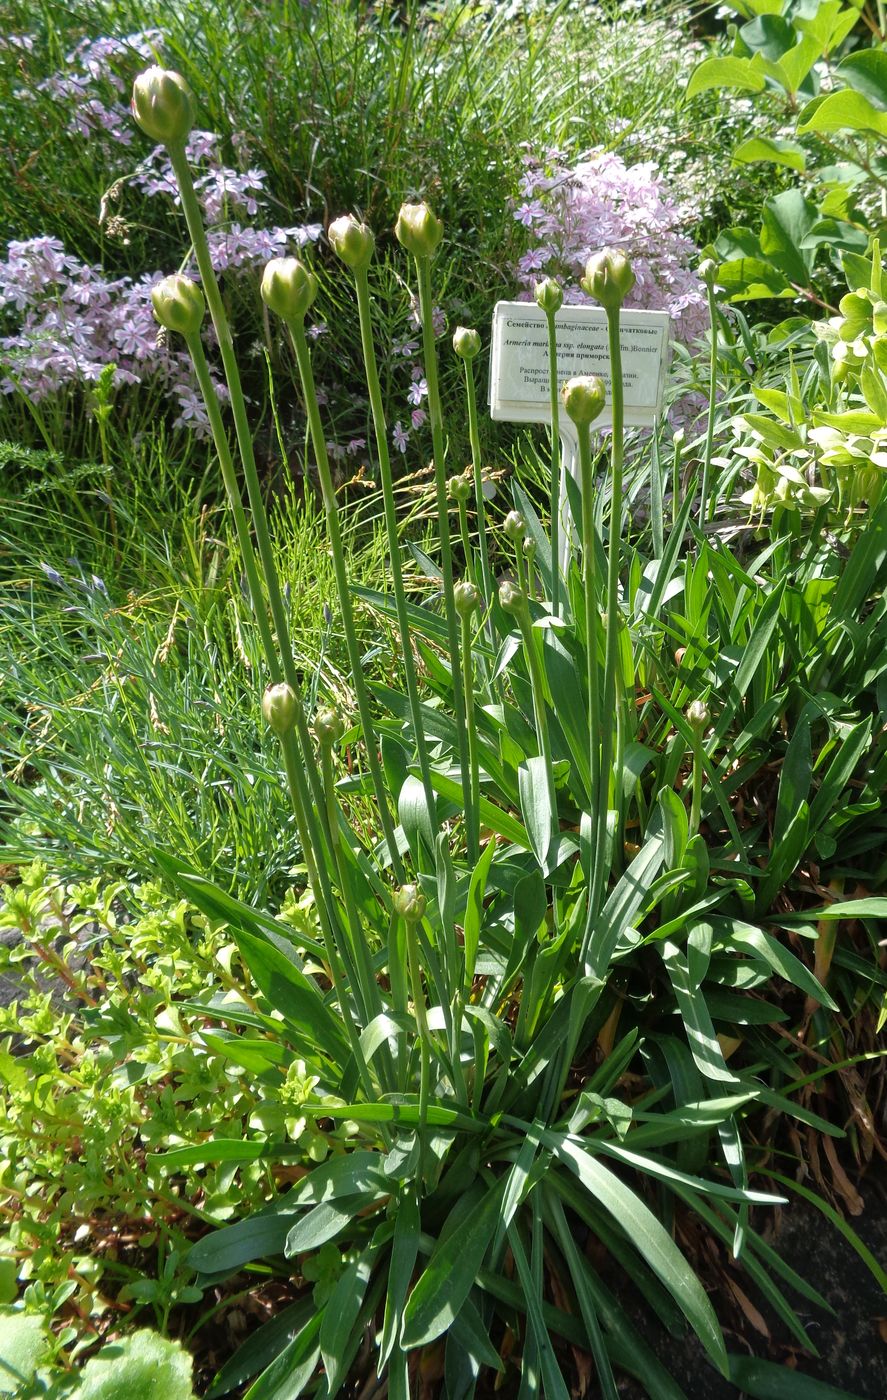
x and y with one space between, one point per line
74 321
92 87
571 211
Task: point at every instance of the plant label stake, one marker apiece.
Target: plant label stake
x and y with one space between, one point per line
519 375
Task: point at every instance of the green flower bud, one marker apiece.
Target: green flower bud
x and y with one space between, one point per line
511 599
466 343
708 271
329 726
279 708
698 715
529 548
514 525
409 903
466 598
161 104
608 277
419 230
178 304
288 288
583 398
549 295
352 241
459 488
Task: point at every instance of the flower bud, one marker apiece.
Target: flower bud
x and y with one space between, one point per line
514 526
161 104
419 230
466 343
529 548
352 241
279 708
608 277
178 304
511 599
466 598
698 715
549 295
707 271
409 903
459 488
329 726
583 398
288 288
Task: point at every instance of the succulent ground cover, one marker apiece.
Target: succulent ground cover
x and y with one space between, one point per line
441 962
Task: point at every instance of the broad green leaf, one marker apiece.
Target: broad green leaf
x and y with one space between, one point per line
622 906
650 1238
295 996
763 1380
474 909
772 150
843 111
340 1317
865 71
701 1038
292 1369
225 1150
747 279
325 1221
262 1347
539 817
404 1251
141 1366
450 1273
555 1386
787 220
765 946
728 72
24 1344
491 816
843 909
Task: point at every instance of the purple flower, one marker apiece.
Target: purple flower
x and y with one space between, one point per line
418 417
417 391
529 214
400 437
356 445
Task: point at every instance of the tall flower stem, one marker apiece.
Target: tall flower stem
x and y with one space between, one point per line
479 502
466 541
306 824
473 762
712 406
380 429
423 276
191 208
611 655
555 464
592 619
306 375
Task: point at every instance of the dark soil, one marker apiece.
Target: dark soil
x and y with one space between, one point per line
851 1343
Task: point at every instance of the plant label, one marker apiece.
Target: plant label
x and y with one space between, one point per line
519 375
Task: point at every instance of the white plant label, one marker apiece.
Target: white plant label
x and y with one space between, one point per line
519 374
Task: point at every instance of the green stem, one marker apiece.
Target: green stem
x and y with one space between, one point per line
380 429
712 392
537 685
611 654
471 796
592 621
555 465
306 375
479 502
696 799
306 826
429 351
424 1041
466 543
193 218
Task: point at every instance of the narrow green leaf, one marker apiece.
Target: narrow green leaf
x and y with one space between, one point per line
450 1274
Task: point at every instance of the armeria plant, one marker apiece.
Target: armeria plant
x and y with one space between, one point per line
557 858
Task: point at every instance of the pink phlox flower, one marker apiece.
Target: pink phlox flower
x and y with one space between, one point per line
400 437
